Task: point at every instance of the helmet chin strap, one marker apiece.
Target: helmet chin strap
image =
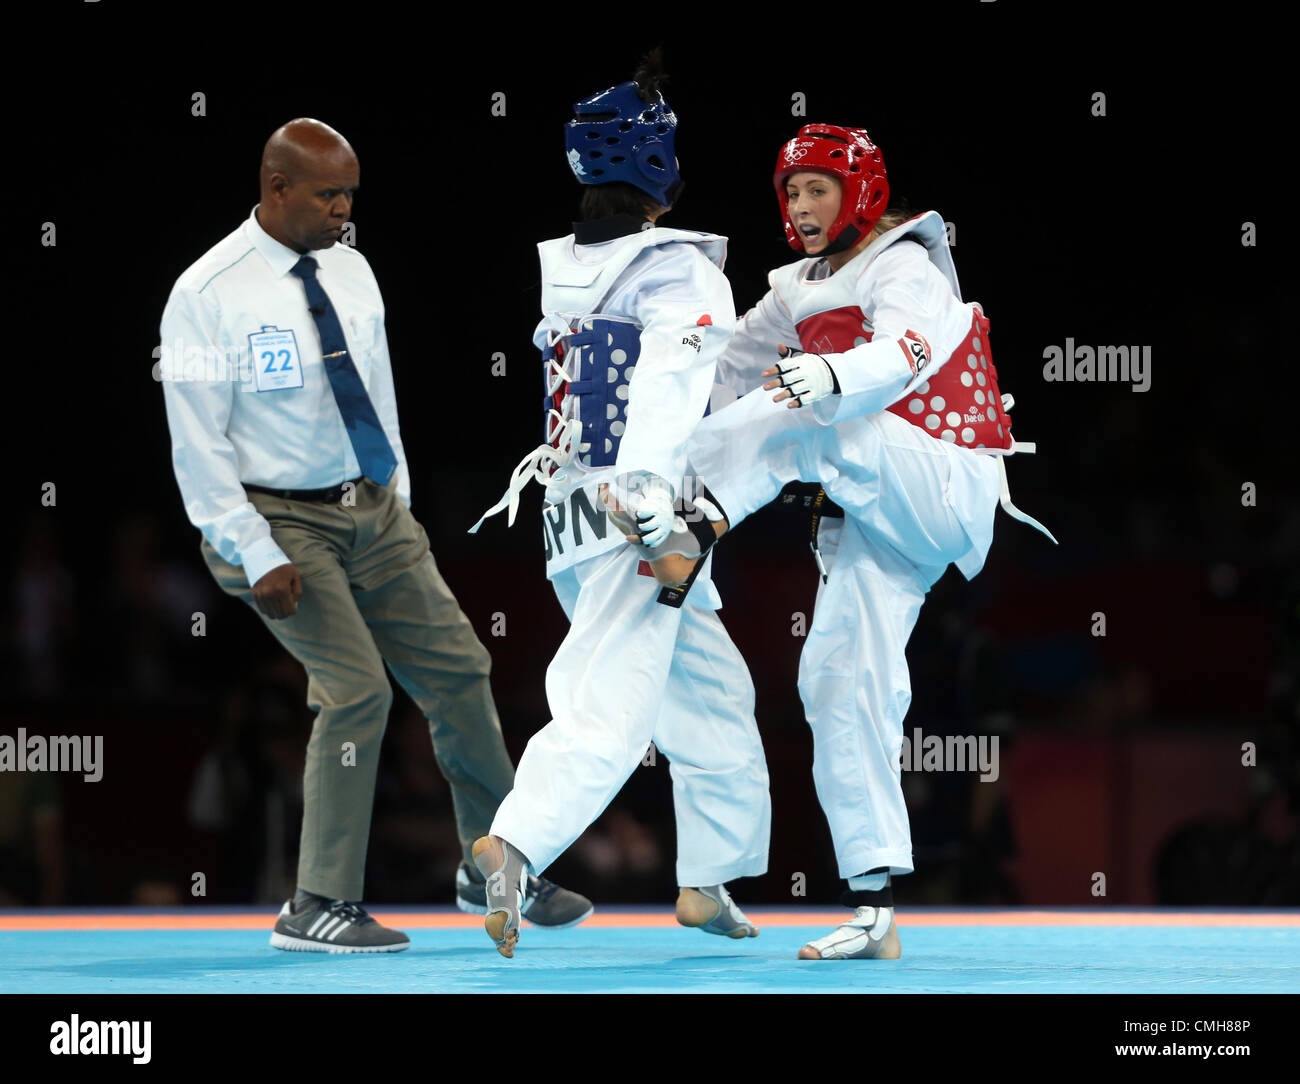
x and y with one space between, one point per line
849 236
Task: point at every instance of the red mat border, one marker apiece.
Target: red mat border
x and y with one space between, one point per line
429 920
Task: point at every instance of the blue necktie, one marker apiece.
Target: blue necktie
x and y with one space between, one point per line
374 453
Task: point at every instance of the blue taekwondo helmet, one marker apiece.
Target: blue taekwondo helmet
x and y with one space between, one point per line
616 136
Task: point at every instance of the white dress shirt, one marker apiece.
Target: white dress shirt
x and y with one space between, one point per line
230 423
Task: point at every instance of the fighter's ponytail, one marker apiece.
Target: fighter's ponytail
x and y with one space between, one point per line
650 77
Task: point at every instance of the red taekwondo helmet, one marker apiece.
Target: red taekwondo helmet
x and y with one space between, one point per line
849 155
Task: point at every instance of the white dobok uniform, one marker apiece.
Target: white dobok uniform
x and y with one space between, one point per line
632 670
898 451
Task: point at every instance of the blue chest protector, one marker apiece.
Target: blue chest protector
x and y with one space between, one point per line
597 362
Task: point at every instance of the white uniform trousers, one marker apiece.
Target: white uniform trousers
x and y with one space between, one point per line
855 688
898 487
631 671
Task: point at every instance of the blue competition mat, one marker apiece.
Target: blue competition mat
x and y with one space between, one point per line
628 953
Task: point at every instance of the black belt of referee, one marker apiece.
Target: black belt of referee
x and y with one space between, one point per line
330 495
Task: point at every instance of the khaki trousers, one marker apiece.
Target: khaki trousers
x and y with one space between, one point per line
371 593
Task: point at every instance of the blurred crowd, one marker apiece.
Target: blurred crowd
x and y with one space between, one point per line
205 724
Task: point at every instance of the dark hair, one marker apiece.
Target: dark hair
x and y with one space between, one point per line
650 77
615 198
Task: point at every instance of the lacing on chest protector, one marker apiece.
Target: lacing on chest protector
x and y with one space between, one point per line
586 376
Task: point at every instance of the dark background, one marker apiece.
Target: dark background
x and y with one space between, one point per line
1120 754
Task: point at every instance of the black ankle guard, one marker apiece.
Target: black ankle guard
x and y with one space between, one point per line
860 898
880 897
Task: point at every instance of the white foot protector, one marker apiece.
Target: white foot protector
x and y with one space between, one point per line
871 934
710 908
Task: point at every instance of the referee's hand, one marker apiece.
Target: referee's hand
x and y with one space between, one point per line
277 593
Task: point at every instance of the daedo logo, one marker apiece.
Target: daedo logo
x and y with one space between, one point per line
917 350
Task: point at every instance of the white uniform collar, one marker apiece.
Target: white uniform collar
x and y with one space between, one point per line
281 258
928 223
713 245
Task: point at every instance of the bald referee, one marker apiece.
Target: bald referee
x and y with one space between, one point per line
285 442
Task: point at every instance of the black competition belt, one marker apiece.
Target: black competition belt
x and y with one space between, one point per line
811 497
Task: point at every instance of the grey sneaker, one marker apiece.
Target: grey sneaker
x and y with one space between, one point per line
323 925
871 934
545 903
712 910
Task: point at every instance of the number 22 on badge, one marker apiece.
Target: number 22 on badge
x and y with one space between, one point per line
275 359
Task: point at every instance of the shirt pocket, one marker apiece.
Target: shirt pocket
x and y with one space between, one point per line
365 339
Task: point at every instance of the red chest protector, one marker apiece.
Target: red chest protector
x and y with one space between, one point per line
960 403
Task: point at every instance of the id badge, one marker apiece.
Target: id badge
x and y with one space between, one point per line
275 359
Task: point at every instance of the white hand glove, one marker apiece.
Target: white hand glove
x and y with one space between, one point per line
807 376
650 500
